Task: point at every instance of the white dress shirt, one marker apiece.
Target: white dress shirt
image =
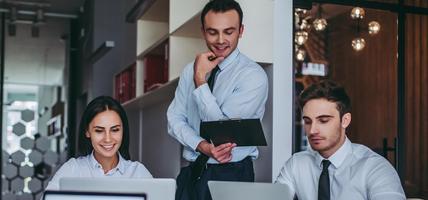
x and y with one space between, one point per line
356 172
240 91
87 166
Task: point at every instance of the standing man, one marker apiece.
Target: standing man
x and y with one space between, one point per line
334 167
220 84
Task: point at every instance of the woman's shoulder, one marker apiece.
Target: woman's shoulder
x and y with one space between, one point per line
139 169
75 162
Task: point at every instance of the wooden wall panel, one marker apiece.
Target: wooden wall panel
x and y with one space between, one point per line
416 110
369 76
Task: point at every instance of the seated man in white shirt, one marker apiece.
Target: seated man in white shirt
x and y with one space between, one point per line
334 167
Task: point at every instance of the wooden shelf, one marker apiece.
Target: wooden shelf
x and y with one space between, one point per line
147 40
181 11
153 48
156 12
161 94
191 28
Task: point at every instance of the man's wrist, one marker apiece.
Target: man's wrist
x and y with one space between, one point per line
199 82
202 147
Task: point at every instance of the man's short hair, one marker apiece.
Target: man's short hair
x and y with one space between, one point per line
330 91
221 6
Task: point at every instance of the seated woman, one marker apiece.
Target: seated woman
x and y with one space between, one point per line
103 145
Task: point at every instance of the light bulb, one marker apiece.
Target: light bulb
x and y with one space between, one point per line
358 44
300 11
357 13
304 25
301 37
300 55
374 28
320 24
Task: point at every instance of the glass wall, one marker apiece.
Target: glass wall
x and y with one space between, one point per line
34 112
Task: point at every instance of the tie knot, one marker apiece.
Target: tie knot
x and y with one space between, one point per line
215 70
325 165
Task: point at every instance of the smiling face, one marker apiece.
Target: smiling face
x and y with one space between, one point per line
222 31
105 132
324 127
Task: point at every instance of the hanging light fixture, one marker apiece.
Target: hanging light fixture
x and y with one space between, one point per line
319 23
301 37
40 17
358 44
358 13
374 27
11 26
300 54
304 25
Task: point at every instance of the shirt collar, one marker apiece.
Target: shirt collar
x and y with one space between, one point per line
338 157
229 59
120 165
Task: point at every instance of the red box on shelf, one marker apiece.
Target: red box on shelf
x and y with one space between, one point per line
155 70
124 84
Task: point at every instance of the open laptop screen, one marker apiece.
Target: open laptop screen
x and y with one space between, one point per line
68 195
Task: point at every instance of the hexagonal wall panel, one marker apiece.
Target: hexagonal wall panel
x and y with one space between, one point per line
43 144
8 196
50 158
26 171
18 157
5 157
10 171
25 196
35 185
35 157
18 129
27 115
17 184
4 184
27 143
38 195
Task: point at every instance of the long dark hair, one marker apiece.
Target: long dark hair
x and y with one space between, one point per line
96 106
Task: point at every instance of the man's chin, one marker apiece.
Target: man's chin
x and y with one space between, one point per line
318 147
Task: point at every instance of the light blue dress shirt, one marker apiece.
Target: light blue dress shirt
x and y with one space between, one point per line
356 172
87 166
240 91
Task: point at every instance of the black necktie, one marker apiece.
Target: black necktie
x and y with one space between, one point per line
324 182
201 161
211 79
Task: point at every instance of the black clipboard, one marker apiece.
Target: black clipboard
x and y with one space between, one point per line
242 132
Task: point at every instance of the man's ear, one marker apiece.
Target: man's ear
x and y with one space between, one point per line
346 120
241 30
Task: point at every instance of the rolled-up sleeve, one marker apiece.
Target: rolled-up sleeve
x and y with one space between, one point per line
178 123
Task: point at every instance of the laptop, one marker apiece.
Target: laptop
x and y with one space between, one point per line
155 189
227 190
70 195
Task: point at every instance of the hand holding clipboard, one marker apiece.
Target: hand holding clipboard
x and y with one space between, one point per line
243 132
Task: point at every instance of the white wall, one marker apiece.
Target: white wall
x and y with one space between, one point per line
282 84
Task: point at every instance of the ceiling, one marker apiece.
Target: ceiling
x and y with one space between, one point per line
56 6
39 60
